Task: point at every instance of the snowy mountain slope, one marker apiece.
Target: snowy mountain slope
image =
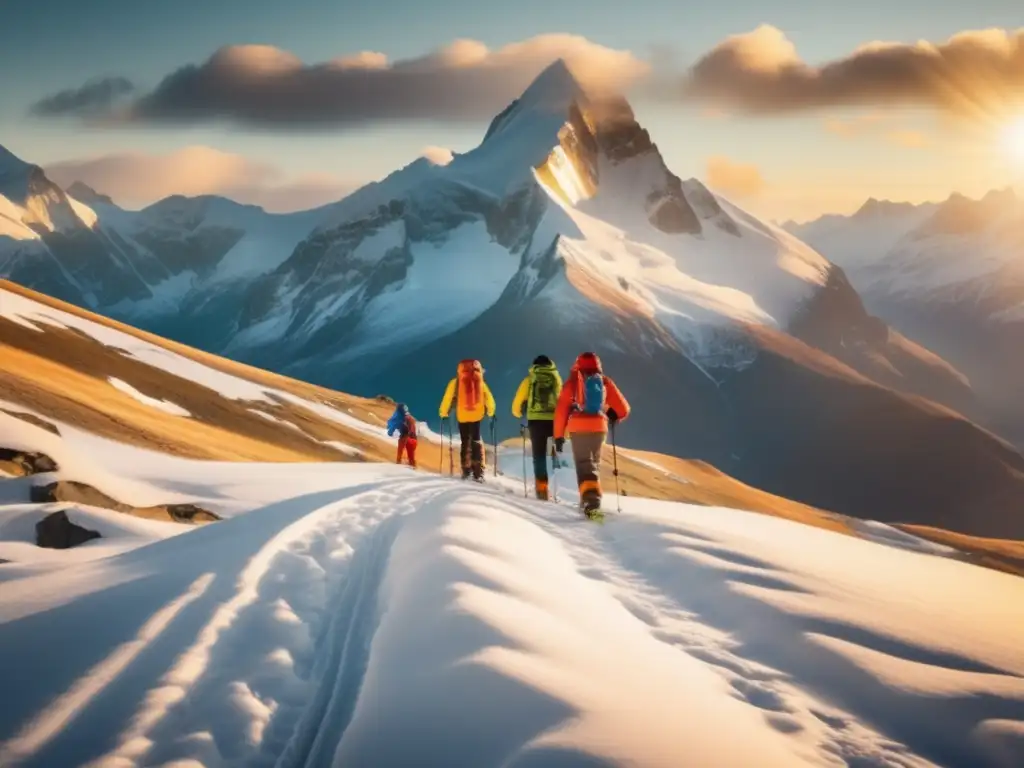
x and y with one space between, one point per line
317 623
948 275
857 242
566 199
555 170
177 253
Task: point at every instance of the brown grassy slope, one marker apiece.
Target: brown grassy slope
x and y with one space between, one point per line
62 373
696 482
999 554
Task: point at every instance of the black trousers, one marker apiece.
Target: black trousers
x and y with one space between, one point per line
541 430
472 451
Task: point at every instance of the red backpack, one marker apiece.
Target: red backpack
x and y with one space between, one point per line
471 383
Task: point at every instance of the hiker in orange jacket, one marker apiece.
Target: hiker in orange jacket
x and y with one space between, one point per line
473 400
588 403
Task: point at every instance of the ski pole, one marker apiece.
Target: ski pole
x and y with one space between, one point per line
440 451
494 442
522 434
615 472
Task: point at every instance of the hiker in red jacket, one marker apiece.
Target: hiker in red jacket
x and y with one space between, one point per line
403 422
588 403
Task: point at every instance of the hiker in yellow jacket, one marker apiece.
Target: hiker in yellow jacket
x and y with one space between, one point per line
538 395
473 400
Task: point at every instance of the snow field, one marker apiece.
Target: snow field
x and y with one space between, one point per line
326 615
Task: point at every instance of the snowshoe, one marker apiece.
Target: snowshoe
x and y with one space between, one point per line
592 511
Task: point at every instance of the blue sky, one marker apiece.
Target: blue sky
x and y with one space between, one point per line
808 161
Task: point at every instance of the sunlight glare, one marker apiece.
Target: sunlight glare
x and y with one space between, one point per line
1013 138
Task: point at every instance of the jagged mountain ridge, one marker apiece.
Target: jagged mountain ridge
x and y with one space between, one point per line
950 275
163 262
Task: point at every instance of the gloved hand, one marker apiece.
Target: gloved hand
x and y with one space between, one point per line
391 433
559 444
612 415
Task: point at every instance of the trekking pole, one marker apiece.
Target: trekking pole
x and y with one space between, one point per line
451 448
522 434
615 472
554 474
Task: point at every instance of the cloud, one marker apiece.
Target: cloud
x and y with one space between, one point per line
760 72
908 139
713 113
874 126
850 127
137 179
263 86
95 97
737 179
437 155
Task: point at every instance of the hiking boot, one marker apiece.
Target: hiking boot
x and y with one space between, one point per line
590 502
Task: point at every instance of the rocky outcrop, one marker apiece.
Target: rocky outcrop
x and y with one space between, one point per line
21 463
81 493
56 531
86 194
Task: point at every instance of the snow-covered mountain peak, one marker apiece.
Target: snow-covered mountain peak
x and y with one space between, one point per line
553 92
30 200
875 208
555 89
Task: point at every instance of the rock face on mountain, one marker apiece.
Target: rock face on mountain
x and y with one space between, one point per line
562 231
178 265
950 276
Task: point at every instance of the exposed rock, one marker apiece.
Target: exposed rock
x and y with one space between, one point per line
21 463
56 531
86 194
190 513
81 493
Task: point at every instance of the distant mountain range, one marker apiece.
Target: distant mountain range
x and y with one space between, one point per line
562 231
950 275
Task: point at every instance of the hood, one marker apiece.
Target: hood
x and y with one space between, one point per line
588 361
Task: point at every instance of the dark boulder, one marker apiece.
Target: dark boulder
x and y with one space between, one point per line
56 531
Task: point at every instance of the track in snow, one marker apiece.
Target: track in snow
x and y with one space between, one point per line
280 640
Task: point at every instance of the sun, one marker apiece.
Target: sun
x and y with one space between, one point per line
1013 138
